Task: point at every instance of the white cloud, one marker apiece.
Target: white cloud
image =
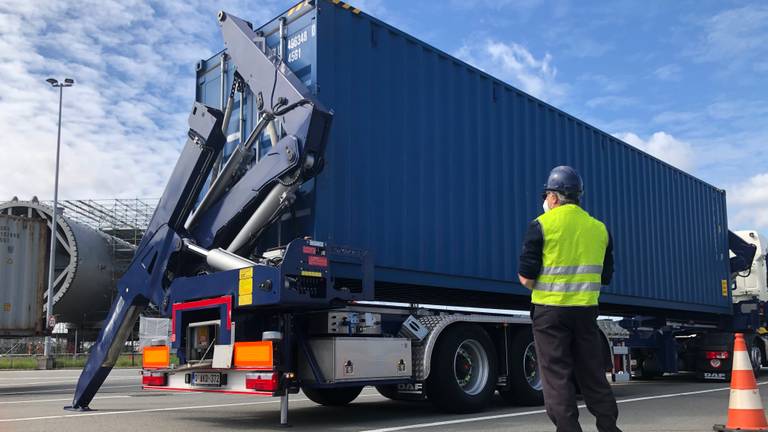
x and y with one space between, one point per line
665 147
609 84
494 4
748 202
515 64
124 120
611 102
583 46
736 35
669 72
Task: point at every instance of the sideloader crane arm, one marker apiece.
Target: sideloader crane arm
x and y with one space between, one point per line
244 199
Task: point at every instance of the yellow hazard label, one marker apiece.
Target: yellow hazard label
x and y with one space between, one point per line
725 288
245 300
6 307
346 6
296 8
311 273
245 287
246 273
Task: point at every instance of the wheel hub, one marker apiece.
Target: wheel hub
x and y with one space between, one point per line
531 367
471 368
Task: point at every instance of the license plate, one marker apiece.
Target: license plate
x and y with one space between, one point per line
212 379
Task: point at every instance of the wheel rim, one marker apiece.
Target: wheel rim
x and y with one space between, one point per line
531 367
757 356
470 367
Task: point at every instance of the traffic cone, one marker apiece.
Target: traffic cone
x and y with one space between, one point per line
745 408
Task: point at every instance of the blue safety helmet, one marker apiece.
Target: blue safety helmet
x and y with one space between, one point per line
565 180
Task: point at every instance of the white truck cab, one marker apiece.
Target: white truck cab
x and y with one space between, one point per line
753 283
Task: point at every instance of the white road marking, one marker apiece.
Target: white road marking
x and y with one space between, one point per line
540 411
179 408
55 373
61 381
60 378
61 400
138 394
63 389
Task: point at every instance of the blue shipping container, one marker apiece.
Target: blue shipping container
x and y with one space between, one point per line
437 168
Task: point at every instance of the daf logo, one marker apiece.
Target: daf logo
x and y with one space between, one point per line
417 388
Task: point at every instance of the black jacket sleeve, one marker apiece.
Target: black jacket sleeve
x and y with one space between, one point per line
608 262
529 265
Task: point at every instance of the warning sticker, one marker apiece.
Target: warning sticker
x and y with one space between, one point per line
245 300
246 273
245 287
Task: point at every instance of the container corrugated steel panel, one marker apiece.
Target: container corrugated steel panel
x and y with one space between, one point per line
437 168
23 245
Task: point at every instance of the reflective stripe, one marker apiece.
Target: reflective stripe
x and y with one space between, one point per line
567 287
584 298
570 270
745 400
741 361
589 277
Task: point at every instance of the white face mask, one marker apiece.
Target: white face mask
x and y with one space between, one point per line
545 206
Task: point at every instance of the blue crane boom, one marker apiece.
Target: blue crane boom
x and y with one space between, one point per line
241 202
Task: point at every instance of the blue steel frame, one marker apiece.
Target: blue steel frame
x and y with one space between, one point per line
147 280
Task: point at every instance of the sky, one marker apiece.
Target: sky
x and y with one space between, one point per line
686 81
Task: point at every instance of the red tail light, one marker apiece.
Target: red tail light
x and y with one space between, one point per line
716 355
267 381
153 378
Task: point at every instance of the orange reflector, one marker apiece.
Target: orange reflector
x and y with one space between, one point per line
253 354
156 357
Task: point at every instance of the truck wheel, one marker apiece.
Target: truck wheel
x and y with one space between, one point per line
332 396
463 371
647 369
525 387
756 356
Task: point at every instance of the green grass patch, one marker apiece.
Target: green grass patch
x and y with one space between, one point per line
18 363
67 362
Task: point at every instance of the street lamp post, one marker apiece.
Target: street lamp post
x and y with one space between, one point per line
68 82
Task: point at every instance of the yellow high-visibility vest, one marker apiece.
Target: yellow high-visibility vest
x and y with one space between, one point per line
572 258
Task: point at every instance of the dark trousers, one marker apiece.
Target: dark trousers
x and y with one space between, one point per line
568 345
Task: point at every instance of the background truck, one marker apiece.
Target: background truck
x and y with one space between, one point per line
338 173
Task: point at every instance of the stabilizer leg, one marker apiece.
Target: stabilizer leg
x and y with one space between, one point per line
105 353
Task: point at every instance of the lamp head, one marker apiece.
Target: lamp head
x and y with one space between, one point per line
52 81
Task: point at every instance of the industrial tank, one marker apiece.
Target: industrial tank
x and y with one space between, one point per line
84 274
23 243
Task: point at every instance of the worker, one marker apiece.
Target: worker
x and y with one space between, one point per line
567 256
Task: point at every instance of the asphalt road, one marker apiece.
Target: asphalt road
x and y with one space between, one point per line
33 401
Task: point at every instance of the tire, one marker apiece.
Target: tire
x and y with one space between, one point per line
756 356
525 387
464 371
647 369
332 396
